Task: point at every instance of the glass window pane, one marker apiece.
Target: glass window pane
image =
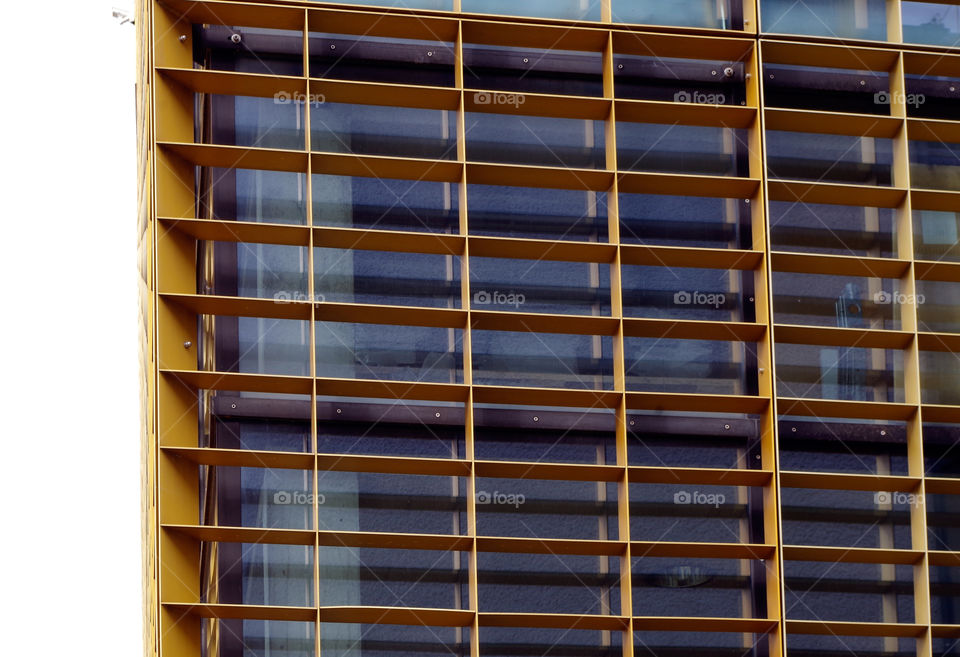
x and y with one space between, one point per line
535 140
679 80
381 59
536 213
278 197
409 504
941 449
543 642
386 278
846 518
550 360
587 10
933 96
261 574
376 130
544 434
539 508
938 306
540 286
696 221
851 373
684 293
829 158
684 513
704 150
842 301
385 204
272 498
262 345
935 23
257 50
875 447
694 13
257 122
375 577
363 640
715 588
939 378
379 351
853 592
833 229
548 583
259 638
531 70
826 89
934 165
690 366
694 440
841 19
936 235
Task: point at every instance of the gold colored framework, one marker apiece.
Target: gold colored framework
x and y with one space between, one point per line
170 230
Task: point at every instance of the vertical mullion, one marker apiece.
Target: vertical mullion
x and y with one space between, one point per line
619 363
312 332
766 357
606 11
911 359
467 348
894 22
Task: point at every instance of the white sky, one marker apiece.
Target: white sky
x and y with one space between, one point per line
69 399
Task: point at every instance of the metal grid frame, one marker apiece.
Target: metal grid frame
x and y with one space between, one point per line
170 229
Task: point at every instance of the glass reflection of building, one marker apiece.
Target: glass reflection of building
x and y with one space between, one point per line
567 327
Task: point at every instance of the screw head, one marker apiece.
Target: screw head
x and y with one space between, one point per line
536 418
233 405
187 344
339 411
182 38
236 38
727 427
436 415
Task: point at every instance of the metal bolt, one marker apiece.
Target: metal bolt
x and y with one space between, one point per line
793 429
883 433
233 405
620 66
526 60
728 72
747 201
771 76
187 344
436 414
236 38
727 427
333 46
757 457
429 53
182 38
751 299
713 72
339 411
536 419
953 88
632 423
863 82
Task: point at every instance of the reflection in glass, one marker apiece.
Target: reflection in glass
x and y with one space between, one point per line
693 13
683 293
535 140
704 150
536 213
826 89
936 235
379 351
873 447
833 229
935 165
829 158
530 70
934 23
540 286
698 514
841 301
272 498
852 592
587 10
679 80
385 204
366 58
850 373
846 518
278 197
376 130
843 19
550 360
411 504
690 366
717 588
386 278
697 221
363 640
259 638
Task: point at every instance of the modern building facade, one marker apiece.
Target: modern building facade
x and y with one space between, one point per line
559 328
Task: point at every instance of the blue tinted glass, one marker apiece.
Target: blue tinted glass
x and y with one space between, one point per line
931 22
375 130
542 360
855 592
261 196
377 351
845 518
540 286
841 301
387 278
257 122
588 10
682 293
535 140
695 13
935 165
385 204
851 373
704 150
684 221
829 158
688 366
833 229
830 18
411 504
531 70
262 345
680 512
381 59
272 498
372 577
718 588
555 214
